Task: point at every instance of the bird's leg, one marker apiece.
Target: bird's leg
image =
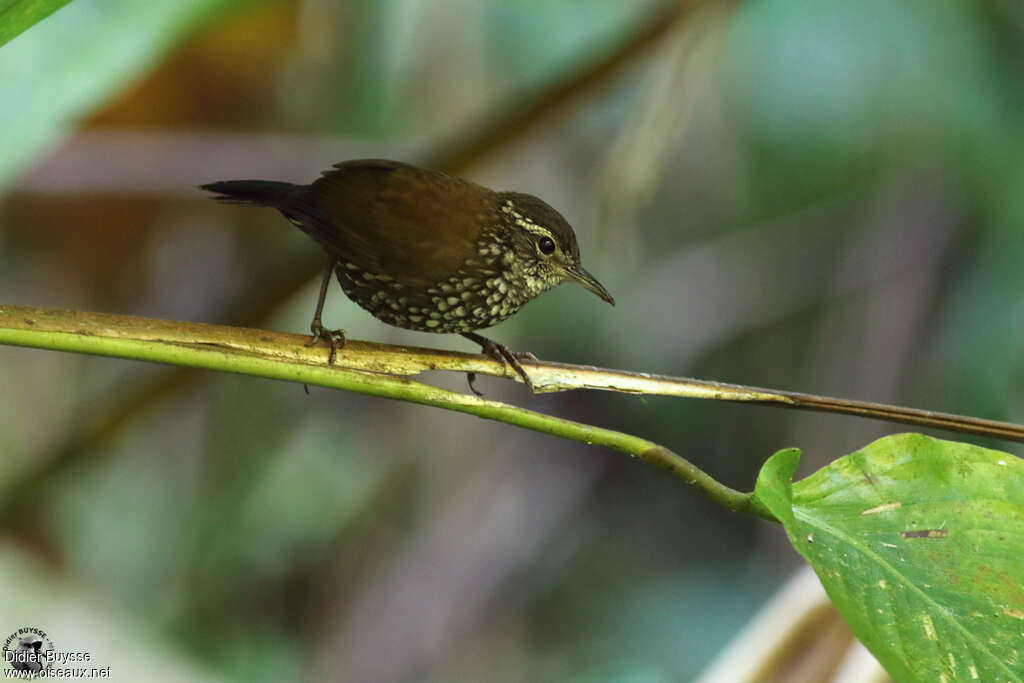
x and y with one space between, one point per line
336 338
502 354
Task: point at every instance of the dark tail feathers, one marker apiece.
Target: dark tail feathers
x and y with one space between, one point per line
252 192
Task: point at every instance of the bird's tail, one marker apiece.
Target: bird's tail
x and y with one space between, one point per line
251 192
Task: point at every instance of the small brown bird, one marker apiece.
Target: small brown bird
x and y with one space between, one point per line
423 250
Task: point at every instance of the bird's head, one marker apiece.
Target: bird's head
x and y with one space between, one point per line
543 244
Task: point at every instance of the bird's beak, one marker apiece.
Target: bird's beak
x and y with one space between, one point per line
590 282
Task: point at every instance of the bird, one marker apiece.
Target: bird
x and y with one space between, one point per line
423 250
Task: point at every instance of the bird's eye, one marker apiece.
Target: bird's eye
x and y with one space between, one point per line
546 246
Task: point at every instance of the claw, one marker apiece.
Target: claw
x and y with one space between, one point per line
335 338
471 377
502 354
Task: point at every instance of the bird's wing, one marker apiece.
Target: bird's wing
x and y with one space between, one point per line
390 218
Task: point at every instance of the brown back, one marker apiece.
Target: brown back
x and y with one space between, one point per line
386 217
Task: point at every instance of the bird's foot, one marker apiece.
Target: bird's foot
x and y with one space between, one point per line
504 355
335 338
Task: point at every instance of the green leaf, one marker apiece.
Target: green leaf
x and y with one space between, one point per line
774 489
18 15
920 545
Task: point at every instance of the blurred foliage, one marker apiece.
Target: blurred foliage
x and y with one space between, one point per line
103 46
822 197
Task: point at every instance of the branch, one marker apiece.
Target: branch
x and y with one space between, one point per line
383 370
374 369
151 339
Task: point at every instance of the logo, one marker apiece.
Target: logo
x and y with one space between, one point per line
29 651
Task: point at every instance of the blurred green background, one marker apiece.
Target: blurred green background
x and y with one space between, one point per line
819 197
